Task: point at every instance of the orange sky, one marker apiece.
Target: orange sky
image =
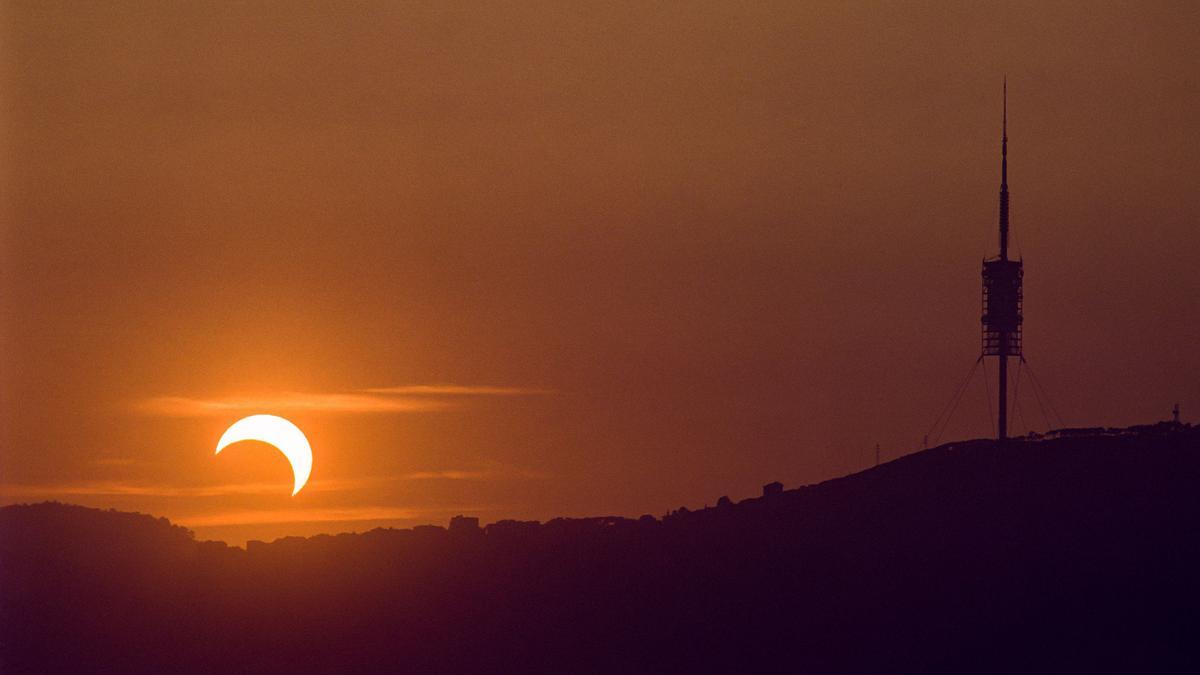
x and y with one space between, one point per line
657 253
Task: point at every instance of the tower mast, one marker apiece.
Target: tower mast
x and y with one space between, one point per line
1002 293
1002 421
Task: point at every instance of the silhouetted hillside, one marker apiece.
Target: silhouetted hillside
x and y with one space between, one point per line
1072 554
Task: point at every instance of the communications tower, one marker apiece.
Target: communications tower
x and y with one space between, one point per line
1002 295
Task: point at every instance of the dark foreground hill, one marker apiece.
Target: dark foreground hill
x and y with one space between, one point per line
1070 555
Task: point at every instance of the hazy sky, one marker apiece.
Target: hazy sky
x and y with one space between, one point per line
660 252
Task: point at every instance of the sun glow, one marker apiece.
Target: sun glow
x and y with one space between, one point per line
276 431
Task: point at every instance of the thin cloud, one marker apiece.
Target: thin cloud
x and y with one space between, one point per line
114 461
178 406
399 399
123 489
456 390
448 475
486 471
498 472
319 515
112 488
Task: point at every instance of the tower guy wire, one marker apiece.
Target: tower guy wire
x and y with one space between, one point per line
943 418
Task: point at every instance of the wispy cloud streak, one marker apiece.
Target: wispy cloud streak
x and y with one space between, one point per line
178 406
123 489
498 472
457 390
319 515
445 475
114 461
399 399
109 488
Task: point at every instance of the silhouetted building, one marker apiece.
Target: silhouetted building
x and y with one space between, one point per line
464 525
428 532
513 528
724 502
772 488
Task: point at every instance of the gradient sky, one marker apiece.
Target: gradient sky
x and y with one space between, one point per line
545 258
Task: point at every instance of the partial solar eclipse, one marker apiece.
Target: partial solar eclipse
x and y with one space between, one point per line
276 431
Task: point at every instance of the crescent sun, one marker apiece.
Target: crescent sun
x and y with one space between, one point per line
276 431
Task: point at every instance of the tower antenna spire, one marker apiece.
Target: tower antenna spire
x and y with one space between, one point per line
1004 177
